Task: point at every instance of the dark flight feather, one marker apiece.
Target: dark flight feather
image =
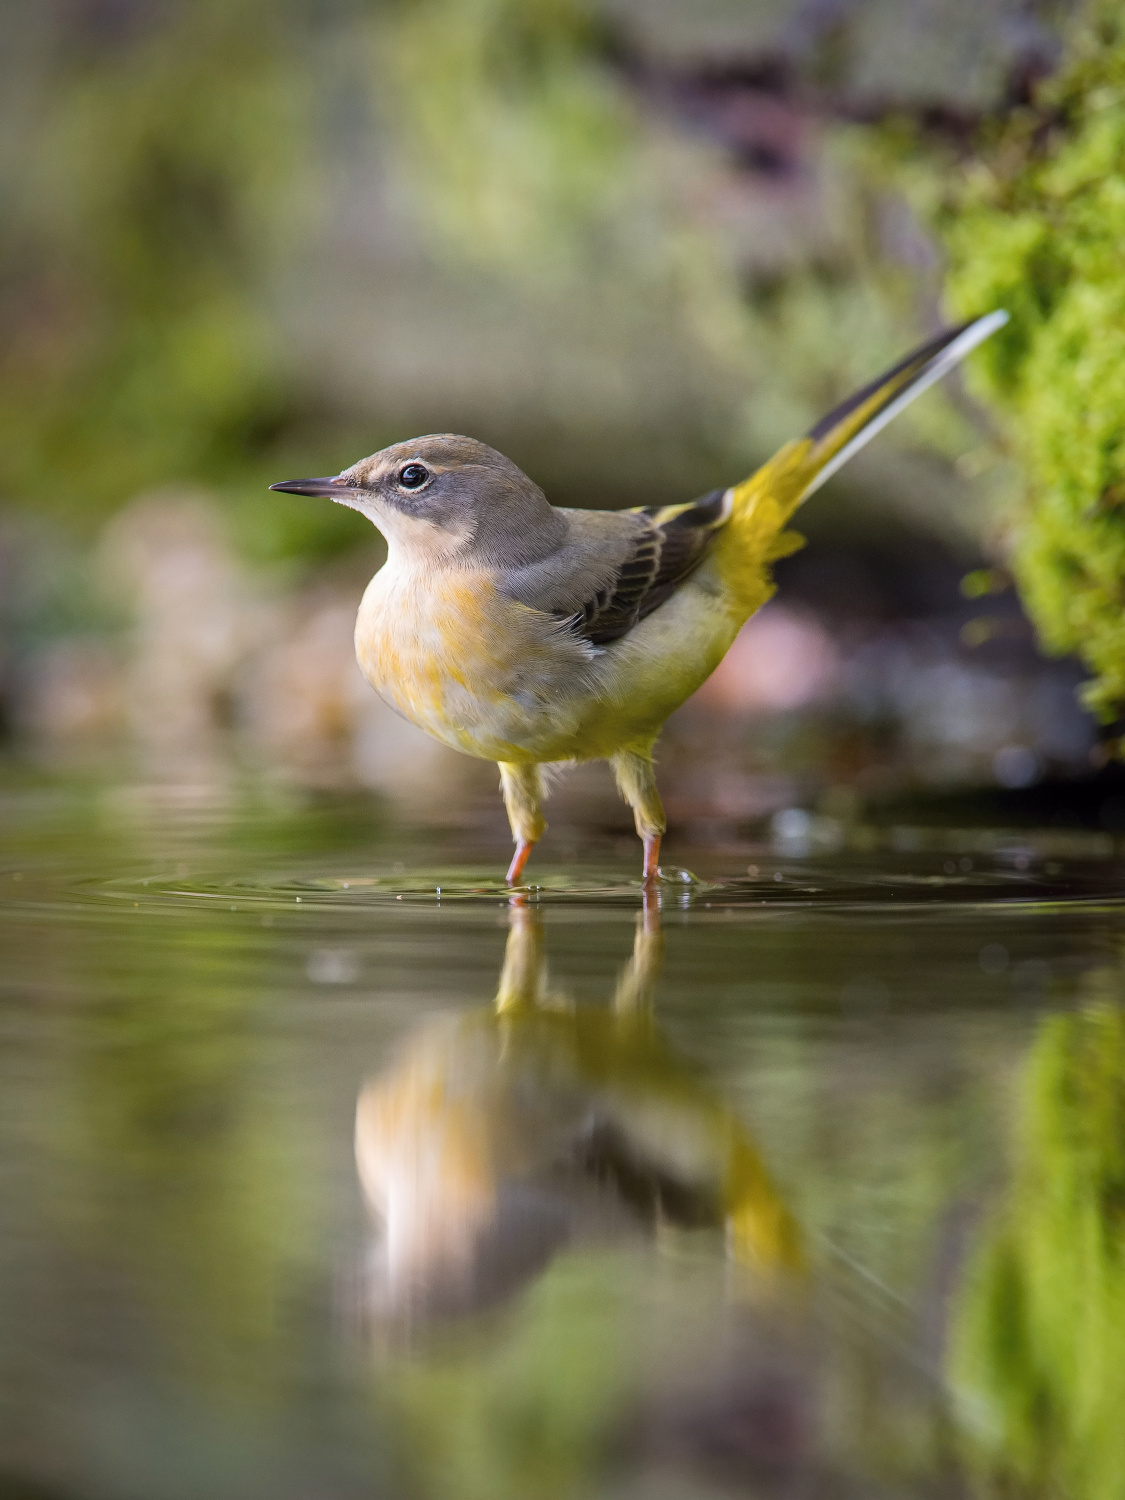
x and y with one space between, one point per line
665 553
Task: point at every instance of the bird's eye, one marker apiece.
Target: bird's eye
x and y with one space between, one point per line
413 476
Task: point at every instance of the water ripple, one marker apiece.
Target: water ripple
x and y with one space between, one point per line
884 882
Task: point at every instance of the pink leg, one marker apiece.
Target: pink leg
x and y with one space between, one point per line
519 859
637 784
523 796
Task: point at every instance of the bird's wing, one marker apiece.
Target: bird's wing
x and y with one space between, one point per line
618 566
666 550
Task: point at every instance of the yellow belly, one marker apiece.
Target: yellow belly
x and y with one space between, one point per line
475 670
497 680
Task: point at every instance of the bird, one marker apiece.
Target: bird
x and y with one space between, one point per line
528 634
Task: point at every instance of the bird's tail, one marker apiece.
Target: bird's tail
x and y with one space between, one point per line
761 506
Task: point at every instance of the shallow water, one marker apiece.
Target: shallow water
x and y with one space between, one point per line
327 1171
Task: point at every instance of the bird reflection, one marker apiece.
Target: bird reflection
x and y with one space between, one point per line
506 1133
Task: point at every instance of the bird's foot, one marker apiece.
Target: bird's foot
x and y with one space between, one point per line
651 872
519 859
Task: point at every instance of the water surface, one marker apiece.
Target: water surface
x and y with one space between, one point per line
327 1170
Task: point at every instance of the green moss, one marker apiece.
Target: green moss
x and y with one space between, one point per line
1038 228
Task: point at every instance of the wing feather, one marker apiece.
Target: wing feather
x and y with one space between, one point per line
664 554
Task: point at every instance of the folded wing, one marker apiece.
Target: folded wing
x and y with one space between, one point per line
665 552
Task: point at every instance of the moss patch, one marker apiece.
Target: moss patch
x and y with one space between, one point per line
1038 228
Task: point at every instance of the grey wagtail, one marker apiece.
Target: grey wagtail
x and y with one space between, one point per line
527 634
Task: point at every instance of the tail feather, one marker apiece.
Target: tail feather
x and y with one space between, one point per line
852 425
801 467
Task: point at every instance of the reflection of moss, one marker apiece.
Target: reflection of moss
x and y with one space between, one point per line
532 1416
1039 230
175 1139
1039 1341
181 1161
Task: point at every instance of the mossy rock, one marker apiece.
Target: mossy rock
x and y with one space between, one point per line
1038 228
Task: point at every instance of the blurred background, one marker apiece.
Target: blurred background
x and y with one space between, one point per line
634 244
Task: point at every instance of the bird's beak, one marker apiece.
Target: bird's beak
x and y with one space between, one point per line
332 487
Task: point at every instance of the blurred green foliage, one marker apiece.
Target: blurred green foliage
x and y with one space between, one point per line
147 224
1036 226
1038 1334
516 130
141 217
190 181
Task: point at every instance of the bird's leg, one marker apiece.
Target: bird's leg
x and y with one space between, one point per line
519 859
637 784
523 796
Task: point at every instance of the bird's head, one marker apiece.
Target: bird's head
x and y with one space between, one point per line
445 496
